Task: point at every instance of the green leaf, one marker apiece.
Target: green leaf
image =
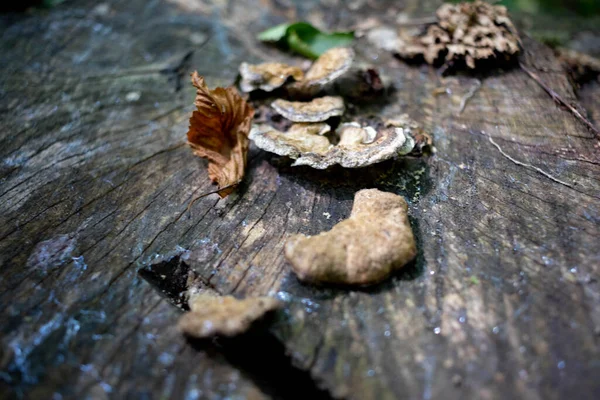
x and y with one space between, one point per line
473 280
305 39
274 34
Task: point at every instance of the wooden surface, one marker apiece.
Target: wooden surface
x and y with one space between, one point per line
503 300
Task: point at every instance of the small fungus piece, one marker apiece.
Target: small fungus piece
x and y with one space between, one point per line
364 249
316 110
331 65
327 68
267 76
219 132
465 32
223 315
358 145
582 67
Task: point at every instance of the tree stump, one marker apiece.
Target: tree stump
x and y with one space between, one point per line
502 301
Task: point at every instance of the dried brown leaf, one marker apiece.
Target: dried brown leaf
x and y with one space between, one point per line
219 132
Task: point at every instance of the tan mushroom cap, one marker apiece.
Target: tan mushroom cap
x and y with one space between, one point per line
330 65
267 76
316 110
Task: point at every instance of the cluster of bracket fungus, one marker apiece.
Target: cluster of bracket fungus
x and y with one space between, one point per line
364 249
358 145
465 32
212 315
318 134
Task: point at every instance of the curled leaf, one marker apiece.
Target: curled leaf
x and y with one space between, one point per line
275 33
219 132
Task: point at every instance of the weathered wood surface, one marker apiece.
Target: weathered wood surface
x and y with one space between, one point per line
502 302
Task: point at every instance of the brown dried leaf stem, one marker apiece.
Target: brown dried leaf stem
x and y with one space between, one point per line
224 188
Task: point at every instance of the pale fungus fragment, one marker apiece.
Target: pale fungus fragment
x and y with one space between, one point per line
299 139
316 110
465 32
364 249
223 315
267 76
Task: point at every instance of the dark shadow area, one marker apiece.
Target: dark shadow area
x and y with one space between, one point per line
259 355
170 277
262 358
406 176
24 5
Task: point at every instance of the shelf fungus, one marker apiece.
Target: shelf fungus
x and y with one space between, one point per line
357 145
465 32
316 110
267 76
223 315
364 249
298 140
